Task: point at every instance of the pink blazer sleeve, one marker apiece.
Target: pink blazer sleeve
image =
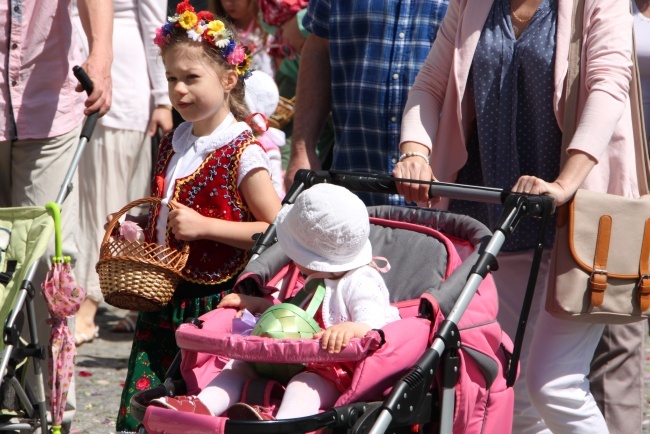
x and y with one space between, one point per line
425 101
605 75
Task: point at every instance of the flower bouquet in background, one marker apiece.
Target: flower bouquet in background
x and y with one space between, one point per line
276 13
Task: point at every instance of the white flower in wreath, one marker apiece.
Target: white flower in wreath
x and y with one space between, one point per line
195 33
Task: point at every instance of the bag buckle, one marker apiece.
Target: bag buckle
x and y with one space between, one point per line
604 272
643 276
644 292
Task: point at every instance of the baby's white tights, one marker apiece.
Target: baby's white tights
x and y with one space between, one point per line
306 393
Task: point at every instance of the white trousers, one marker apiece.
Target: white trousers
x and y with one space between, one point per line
115 170
552 392
31 174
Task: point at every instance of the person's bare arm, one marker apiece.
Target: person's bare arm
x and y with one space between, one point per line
255 305
292 36
97 20
313 104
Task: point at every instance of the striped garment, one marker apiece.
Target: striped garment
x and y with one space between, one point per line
376 49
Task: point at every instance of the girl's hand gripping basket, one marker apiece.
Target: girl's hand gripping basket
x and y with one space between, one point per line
137 275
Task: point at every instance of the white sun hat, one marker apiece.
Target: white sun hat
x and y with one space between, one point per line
261 94
326 230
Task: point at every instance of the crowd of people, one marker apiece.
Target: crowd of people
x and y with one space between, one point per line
467 91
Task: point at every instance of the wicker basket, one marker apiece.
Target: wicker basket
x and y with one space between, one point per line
283 114
137 275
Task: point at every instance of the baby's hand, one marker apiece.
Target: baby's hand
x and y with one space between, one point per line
338 336
185 223
241 301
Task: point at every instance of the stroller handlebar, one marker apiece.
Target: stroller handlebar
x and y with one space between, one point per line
386 184
87 84
84 137
533 205
83 78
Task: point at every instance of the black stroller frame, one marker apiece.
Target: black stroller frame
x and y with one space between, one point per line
34 402
408 403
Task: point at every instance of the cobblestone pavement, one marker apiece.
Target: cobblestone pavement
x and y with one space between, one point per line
101 369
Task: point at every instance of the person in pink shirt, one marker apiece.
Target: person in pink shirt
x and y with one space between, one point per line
42 107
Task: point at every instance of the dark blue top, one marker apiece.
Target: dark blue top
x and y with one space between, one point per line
516 132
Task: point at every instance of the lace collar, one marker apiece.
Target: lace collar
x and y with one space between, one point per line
225 133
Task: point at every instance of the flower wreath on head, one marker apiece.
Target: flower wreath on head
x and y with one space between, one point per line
202 26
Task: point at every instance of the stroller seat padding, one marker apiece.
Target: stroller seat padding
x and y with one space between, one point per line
219 341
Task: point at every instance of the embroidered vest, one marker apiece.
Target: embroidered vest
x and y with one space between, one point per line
211 191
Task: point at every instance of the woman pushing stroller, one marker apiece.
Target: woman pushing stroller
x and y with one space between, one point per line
326 234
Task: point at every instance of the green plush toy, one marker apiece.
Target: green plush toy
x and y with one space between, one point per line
289 321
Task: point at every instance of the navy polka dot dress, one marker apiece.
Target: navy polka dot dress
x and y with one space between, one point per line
516 132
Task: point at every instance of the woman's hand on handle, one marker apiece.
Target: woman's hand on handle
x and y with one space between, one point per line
575 170
533 185
414 167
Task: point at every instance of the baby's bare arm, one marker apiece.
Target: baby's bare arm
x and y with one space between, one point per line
338 336
241 301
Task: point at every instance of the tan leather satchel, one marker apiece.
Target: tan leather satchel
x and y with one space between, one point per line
600 266
599 271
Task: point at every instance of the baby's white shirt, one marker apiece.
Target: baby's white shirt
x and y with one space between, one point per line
359 296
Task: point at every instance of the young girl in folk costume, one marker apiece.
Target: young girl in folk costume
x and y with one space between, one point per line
215 172
245 19
326 234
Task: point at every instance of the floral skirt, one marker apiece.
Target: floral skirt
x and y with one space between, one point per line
154 348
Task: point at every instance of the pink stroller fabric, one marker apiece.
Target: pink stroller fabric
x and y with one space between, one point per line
427 264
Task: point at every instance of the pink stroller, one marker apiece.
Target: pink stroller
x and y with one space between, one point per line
442 368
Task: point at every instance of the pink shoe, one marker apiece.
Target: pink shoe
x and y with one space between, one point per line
243 411
186 404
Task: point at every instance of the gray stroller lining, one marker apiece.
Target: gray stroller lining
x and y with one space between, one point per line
418 262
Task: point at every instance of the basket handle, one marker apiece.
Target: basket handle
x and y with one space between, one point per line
120 213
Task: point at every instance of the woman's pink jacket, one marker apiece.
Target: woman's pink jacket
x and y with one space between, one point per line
438 113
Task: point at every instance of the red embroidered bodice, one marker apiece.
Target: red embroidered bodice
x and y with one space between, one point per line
212 191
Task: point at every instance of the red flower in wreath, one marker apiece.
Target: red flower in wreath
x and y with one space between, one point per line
184 6
205 16
165 325
143 384
123 411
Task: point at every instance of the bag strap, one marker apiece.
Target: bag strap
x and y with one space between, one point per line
315 289
644 269
572 88
638 125
598 278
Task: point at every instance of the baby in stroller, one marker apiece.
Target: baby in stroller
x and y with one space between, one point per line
326 234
